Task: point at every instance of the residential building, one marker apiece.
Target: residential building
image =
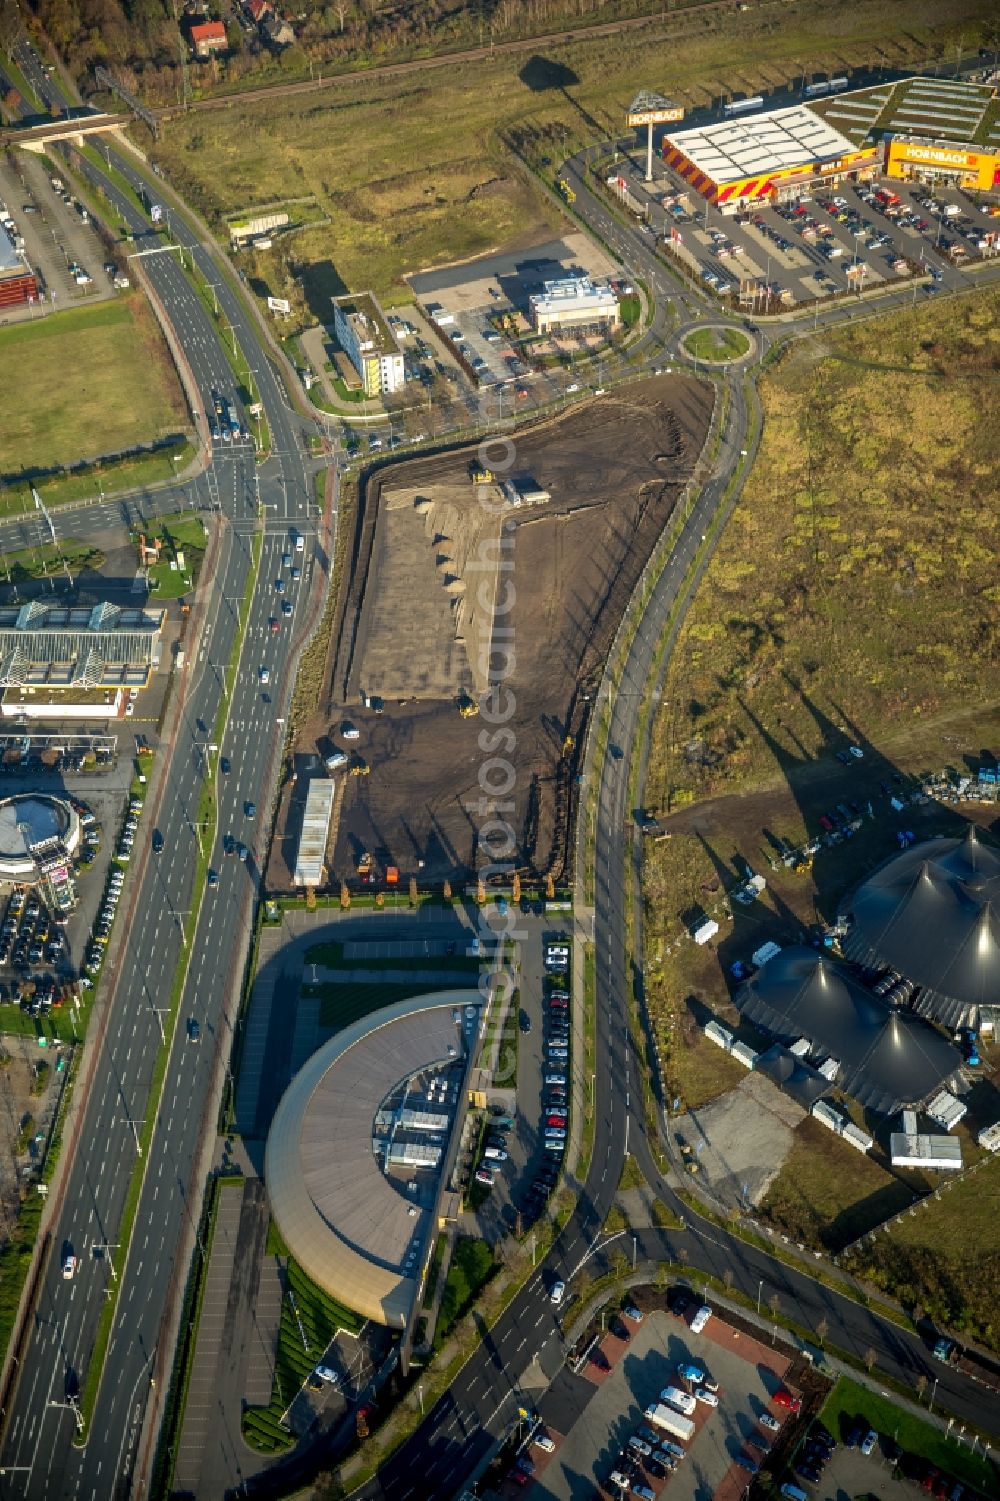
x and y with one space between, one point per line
208 37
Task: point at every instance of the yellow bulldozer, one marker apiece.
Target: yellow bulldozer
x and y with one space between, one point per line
467 707
566 190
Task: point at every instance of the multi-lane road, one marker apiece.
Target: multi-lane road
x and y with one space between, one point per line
39 1455
39 1458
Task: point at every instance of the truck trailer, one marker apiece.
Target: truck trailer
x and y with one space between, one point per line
664 1417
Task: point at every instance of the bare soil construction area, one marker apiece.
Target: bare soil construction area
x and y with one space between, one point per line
454 581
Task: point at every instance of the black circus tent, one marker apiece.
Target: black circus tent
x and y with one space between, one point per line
932 914
889 1059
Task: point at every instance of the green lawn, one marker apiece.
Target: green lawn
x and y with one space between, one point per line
717 345
827 1193
851 1400
331 955
89 382
179 534
342 1004
320 1317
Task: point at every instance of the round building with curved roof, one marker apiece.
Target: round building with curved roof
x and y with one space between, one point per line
357 1146
932 916
34 828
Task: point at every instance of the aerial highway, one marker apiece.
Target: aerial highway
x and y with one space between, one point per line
39 1456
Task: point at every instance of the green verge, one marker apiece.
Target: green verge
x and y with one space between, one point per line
95 1370
110 478
849 1400
319 1320
50 560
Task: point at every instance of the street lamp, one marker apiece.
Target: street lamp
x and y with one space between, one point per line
760 1289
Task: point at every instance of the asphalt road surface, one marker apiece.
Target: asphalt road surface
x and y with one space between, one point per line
39 1455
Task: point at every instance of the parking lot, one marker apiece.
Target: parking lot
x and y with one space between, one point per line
815 245
592 1430
58 235
534 1147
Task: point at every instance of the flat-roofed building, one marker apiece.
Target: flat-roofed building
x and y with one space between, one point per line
74 661
761 157
363 333
311 854
574 303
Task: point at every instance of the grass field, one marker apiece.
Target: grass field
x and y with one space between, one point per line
827 1193
848 1401
855 584
946 1257
436 181
89 382
469 1270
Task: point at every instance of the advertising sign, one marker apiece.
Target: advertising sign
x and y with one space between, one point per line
279 305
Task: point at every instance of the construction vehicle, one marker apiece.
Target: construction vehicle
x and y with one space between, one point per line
567 747
467 707
364 866
359 767
479 475
566 190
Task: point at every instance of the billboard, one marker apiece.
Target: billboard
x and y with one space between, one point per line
279 305
648 108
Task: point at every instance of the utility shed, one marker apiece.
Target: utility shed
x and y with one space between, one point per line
315 832
926 1151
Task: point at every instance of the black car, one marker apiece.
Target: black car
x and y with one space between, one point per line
619 1330
157 842
808 1473
193 1030
224 765
656 1468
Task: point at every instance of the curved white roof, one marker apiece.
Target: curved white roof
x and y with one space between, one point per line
345 1223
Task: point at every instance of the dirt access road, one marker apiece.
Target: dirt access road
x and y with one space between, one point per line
430 614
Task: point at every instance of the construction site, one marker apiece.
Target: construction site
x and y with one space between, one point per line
507 563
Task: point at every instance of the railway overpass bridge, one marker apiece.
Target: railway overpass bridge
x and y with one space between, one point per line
72 127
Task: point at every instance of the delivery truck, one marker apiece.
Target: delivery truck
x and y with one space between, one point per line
669 1421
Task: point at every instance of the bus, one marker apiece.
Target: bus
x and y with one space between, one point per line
742 106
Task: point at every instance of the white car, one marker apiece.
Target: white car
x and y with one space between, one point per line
702 1394
69 1267
767 1421
350 731
265 674
869 1441
543 1442
557 1293
700 1319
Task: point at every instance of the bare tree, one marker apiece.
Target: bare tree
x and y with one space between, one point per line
921 1384
822 1330
727 1278
871 1356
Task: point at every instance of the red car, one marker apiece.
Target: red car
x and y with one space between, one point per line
556 1120
518 1477
785 1399
274 626
558 1004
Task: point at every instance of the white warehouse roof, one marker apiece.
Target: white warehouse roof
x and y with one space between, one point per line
315 831
760 144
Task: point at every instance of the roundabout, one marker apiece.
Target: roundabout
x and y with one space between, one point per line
717 344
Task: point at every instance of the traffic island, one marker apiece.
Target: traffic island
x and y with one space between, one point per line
717 344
